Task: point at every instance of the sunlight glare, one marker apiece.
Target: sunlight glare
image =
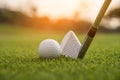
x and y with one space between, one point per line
57 8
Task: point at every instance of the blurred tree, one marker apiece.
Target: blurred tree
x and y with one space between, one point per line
8 16
33 8
114 13
5 15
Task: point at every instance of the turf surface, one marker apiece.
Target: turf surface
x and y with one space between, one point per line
19 58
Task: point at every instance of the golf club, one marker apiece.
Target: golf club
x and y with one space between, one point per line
70 45
91 33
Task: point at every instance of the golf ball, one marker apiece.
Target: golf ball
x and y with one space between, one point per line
49 48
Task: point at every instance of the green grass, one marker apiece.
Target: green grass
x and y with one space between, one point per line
19 58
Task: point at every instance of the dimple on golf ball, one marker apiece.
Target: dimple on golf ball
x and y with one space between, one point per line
49 48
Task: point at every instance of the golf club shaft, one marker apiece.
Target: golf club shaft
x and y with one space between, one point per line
93 29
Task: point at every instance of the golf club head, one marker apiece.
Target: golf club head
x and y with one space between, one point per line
70 45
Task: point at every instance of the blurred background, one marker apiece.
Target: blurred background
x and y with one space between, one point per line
58 15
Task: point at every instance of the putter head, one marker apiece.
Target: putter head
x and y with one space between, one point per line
70 45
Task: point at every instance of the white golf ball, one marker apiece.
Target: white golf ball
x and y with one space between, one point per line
49 48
